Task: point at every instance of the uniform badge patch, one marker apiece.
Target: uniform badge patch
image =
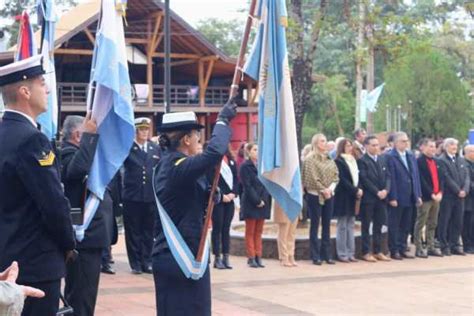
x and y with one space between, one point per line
47 159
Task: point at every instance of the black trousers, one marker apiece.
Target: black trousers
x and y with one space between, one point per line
82 281
468 230
106 256
450 221
46 306
138 221
399 225
376 213
221 219
320 249
177 295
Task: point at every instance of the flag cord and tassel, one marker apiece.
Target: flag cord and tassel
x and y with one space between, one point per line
234 89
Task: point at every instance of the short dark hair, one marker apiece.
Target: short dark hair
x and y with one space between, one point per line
369 138
391 138
424 141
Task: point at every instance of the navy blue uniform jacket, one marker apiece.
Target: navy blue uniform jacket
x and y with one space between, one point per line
182 188
138 173
35 222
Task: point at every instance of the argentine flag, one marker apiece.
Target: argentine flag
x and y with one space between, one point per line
111 107
278 160
47 18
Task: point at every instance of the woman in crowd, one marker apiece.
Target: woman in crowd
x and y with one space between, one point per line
286 237
224 212
347 192
255 206
320 178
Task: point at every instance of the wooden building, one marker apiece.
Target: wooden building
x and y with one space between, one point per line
201 74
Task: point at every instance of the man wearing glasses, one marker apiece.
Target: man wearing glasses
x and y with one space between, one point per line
404 195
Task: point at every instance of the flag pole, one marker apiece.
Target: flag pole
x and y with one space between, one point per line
234 89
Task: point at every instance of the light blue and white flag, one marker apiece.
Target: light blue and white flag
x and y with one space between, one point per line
111 107
373 97
369 101
47 18
278 160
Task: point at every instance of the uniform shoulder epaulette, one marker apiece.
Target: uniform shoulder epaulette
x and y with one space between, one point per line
179 161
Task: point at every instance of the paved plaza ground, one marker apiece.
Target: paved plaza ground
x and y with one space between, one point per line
435 286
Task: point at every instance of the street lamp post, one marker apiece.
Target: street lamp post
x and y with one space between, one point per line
167 57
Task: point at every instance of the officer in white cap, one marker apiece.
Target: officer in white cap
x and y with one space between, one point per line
35 224
139 208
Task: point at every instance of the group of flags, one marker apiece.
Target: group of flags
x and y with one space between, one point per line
110 99
110 103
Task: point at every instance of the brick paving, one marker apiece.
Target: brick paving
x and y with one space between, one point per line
435 286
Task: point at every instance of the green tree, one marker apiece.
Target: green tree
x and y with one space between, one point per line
225 35
12 9
425 83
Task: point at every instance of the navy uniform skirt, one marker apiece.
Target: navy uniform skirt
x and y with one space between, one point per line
177 295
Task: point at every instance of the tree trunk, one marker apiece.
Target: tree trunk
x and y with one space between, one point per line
336 117
359 61
303 62
370 80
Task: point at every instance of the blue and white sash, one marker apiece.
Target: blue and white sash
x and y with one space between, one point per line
90 208
226 174
191 268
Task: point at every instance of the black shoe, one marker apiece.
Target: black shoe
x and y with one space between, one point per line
218 264
225 261
457 252
147 269
107 269
435 253
259 262
469 251
446 252
330 261
317 262
111 261
406 255
420 253
136 271
252 263
396 256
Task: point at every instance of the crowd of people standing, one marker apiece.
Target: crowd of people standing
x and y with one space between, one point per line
414 192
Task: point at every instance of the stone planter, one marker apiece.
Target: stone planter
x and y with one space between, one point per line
302 251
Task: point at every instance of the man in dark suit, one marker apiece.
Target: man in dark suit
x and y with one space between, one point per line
375 182
139 209
456 180
404 195
359 136
431 194
468 225
77 154
35 223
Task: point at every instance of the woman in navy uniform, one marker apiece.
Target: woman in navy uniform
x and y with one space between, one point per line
182 188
